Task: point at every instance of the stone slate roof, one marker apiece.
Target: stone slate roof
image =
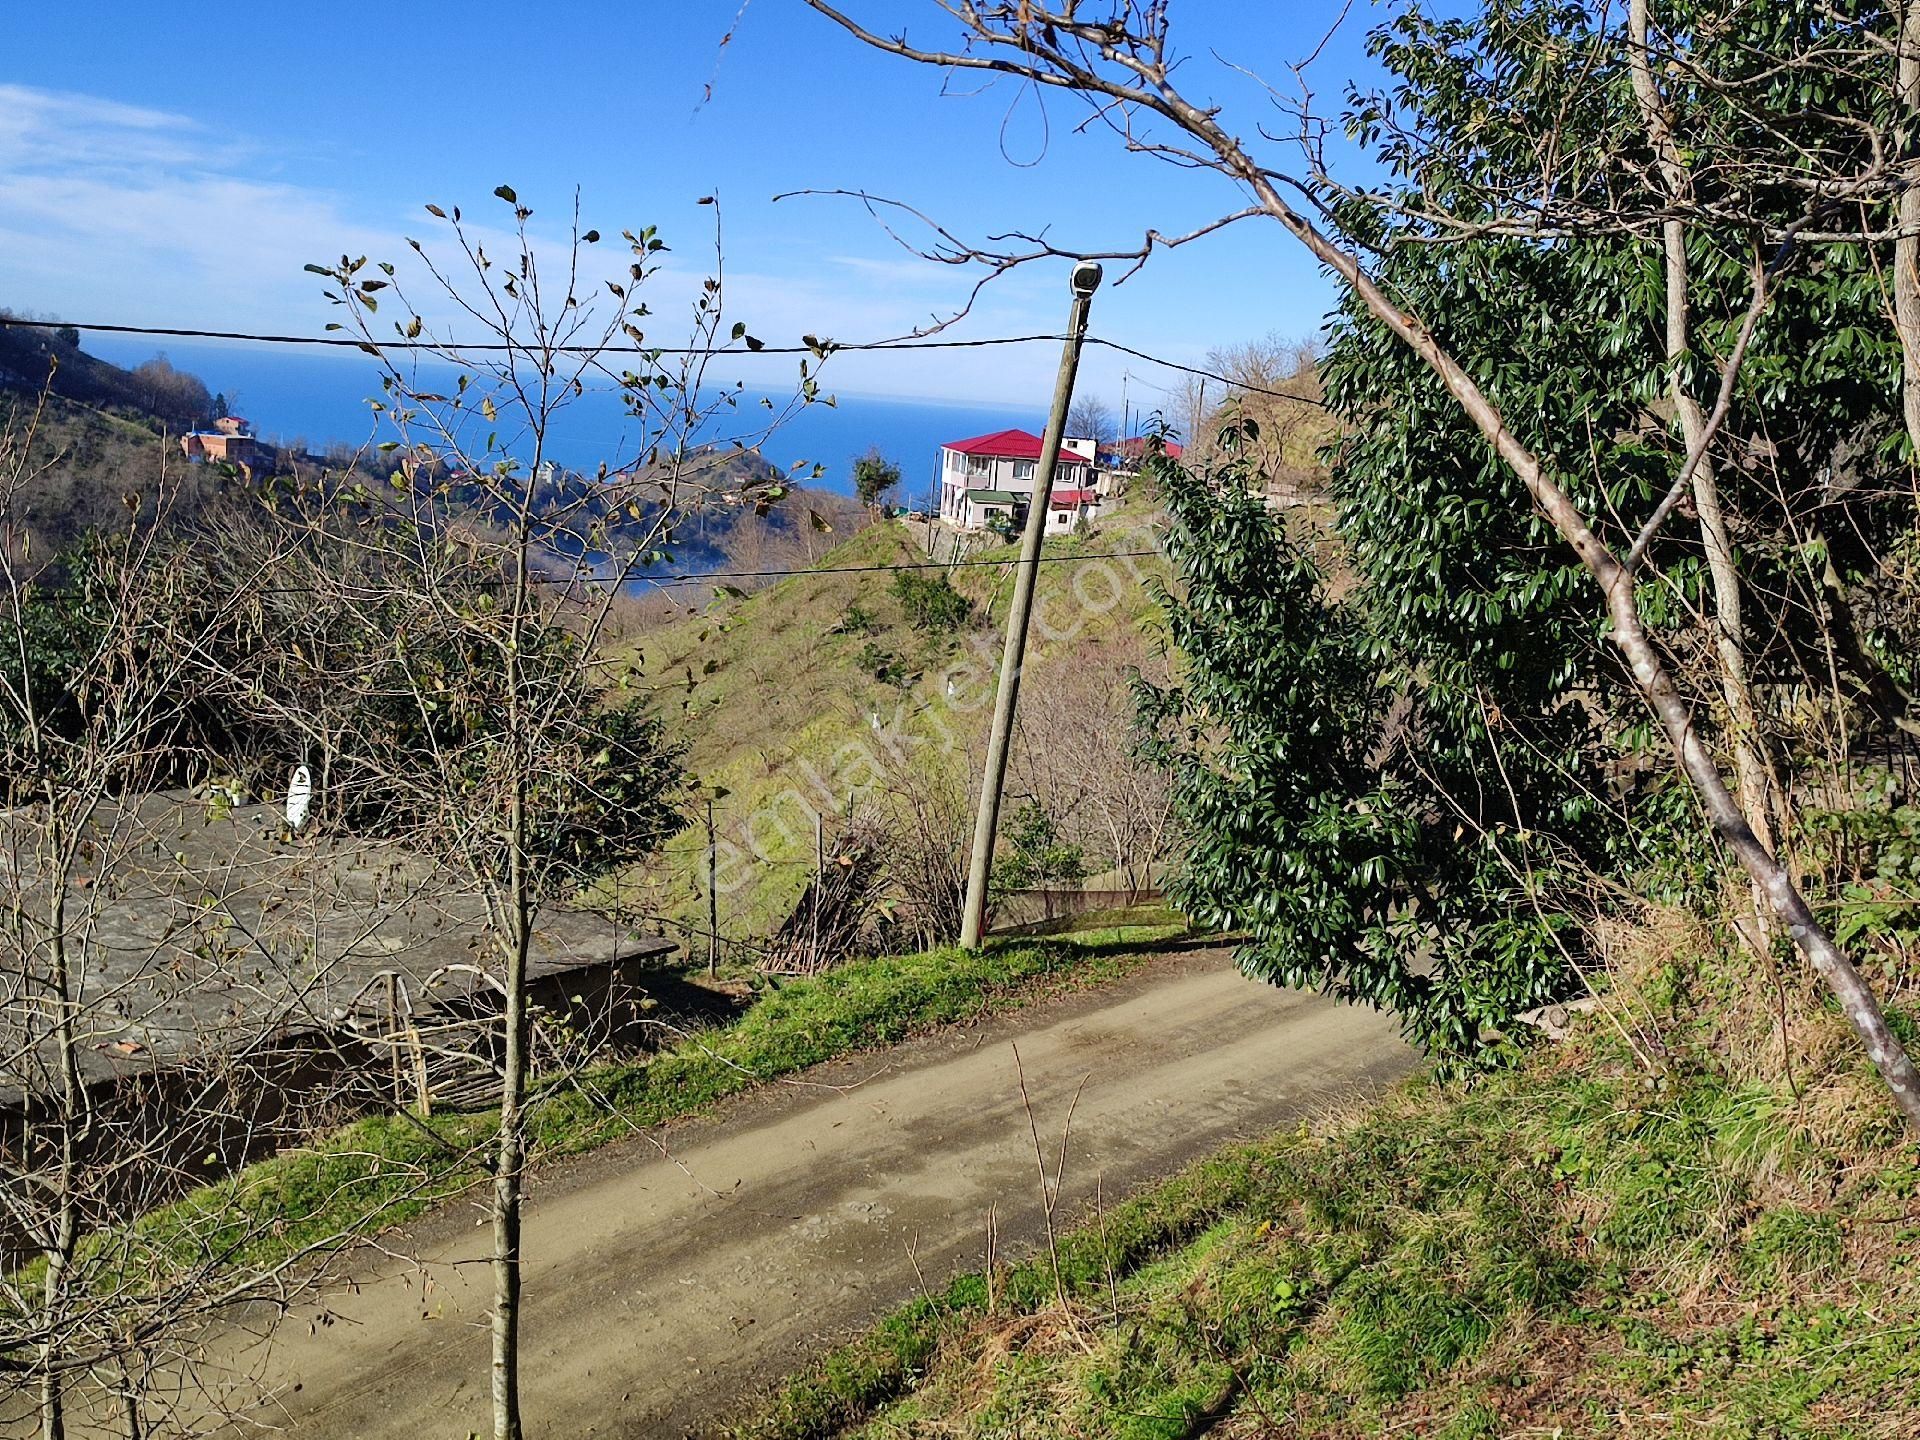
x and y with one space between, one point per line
195 930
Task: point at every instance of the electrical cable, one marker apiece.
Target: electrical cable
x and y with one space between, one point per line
825 348
882 569
698 576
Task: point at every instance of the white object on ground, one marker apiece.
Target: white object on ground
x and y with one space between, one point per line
299 797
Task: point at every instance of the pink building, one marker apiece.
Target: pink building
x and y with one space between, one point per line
231 439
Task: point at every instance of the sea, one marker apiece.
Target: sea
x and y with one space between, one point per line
309 399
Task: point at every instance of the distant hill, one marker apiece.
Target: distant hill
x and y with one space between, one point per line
718 523
103 433
100 436
154 393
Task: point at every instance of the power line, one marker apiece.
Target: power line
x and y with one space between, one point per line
882 569
826 347
1206 374
451 347
694 576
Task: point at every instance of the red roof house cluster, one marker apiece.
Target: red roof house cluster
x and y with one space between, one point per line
1009 445
1139 447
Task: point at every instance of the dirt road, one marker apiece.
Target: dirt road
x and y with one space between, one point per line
661 1290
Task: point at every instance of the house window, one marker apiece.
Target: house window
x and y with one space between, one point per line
1023 469
978 464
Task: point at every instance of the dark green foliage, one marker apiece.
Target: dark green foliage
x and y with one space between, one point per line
859 621
1566 338
1358 856
931 602
884 665
61 620
1033 855
385 697
1414 796
617 797
875 478
1872 850
97 652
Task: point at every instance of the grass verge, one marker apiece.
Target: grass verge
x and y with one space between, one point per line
386 1169
1585 1246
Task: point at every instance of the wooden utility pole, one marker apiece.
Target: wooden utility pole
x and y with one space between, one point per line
973 921
819 878
713 898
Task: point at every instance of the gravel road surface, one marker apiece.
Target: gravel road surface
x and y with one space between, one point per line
670 1275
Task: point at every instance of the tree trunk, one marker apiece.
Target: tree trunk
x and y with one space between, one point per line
1753 780
65 1231
1906 248
1751 774
511 1152
1789 907
508 1167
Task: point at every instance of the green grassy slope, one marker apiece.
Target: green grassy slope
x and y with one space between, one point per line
779 710
1590 1246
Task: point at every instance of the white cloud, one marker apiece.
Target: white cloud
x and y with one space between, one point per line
117 213
55 129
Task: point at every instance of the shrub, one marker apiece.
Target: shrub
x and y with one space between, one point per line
885 666
1037 857
931 602
875 478
859 621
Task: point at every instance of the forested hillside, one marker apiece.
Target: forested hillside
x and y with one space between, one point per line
100 435
105 442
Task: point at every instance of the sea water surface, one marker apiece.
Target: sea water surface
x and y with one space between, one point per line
311 398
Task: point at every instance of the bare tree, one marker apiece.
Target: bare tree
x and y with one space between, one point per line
1076 757
1091 418
155 952
1122 65
509 567
1281 434
924 808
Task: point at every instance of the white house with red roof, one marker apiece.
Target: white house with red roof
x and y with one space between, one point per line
994 474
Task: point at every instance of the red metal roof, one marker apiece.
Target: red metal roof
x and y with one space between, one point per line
1012 445
1064 498
1136 447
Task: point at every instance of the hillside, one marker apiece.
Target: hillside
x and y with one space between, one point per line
32 359
821 687
716 525
1652 1230
101 432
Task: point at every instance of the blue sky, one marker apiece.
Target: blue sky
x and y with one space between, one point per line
177 165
